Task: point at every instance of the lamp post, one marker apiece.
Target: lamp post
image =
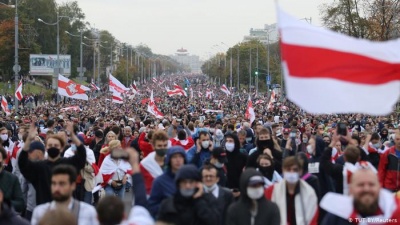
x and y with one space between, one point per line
81 51
97 44
57 69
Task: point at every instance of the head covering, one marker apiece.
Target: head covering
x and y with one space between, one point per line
187 172
255 180
220 154
175 150
36 145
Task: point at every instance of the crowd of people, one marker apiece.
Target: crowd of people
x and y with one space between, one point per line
204 162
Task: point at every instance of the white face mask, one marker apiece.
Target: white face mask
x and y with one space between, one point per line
255 193
219 165
230 147
291 177
4 137
20 137
205 144
310 150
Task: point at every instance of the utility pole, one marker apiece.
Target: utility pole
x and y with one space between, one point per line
256 77
250 73
230 69
238 68
16 65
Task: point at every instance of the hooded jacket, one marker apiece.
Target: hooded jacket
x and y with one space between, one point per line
188 211
164 185
239 212
236 162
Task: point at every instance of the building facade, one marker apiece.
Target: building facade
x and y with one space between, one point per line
183 57
268 34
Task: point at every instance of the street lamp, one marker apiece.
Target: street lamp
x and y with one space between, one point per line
97 43
57 69
81 52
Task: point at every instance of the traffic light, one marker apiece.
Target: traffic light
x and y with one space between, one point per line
256 73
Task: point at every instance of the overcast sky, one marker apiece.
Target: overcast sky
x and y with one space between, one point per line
197 25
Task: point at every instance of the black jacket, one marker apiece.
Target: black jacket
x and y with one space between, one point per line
178 210
278 157
333 219
96 148
239 212
236 162
11 189
39 173
333 170
224 200
221 173
9 216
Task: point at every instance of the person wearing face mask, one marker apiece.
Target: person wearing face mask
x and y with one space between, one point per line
10 185
252 207
54 145
296 200
8 145
266 168
152 165
218 160
222 195
201 151
217 138
264 141
236 162
189 205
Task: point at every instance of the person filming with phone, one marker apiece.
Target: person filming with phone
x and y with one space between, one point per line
200 152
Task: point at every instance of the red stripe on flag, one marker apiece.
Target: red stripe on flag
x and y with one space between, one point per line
312 62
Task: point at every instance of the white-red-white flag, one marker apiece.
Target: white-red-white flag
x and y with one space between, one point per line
154 80
4 105
259 102
115 85
69 88
328 72
191 93
18 92
175 92
152 108
250 115
117 97
74 108
209 93
134 88
225 89
94 86
177 86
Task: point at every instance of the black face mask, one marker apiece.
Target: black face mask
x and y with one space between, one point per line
267 171
263 144
53 152
161 152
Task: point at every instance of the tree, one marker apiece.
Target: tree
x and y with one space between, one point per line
369 19
120 73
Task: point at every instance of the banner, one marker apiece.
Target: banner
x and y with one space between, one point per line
43 65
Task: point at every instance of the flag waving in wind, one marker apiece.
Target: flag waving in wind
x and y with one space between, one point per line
134 88
225 90
69 88
250 115
18 93
4 105
152 108
328 72
116 86
94 86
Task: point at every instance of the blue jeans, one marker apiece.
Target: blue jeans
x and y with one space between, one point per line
111 191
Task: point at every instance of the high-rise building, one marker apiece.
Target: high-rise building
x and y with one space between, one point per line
267 34
183 57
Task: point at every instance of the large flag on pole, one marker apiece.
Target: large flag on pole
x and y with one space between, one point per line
328 72
134 88
18 93
4 105
116 85
250 115
69 88
152 108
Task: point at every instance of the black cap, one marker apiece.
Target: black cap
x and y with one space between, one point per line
36 145
220 154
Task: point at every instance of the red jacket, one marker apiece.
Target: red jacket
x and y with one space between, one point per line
389 170
127 144
144 145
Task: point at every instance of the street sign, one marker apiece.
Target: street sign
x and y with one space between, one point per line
268 80
81 70
16 68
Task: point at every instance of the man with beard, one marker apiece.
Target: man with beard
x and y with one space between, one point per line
62 187
367 200
39 173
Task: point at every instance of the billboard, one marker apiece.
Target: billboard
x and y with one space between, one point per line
44 64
